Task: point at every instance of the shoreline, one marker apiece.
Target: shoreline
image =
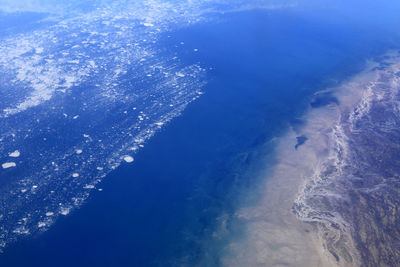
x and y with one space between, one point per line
282 230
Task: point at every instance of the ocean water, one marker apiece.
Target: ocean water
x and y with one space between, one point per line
260 70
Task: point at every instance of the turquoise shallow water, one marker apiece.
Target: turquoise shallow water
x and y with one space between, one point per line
262 69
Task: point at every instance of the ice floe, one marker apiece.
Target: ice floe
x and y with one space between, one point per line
65 211
7 165
128 159
14 154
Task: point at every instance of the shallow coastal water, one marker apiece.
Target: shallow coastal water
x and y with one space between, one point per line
307 227
216 186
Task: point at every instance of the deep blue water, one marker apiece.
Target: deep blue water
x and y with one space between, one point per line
263 68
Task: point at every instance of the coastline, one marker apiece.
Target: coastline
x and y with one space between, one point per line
283 229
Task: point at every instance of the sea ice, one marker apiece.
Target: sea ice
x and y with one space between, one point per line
8 165
128 159
65 211
15 154
148 24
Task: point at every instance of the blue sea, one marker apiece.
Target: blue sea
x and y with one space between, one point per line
261 70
